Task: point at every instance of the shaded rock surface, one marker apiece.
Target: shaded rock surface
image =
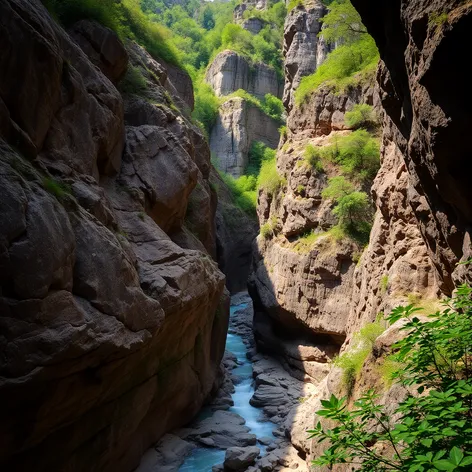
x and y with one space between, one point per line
105 321
230 71
238 125
427 117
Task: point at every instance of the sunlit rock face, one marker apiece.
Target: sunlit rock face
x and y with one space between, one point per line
113 315
304 48
230 71
238 125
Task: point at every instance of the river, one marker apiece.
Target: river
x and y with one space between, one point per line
202 459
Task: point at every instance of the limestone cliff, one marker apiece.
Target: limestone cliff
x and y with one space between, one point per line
230 71
238 125
304 50
113 315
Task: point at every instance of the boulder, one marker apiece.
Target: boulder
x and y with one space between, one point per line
239 458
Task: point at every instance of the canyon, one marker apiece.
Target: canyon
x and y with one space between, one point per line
123 251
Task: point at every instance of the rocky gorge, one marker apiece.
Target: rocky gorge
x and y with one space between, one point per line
125 259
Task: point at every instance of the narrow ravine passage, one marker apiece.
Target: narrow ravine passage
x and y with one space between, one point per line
203 458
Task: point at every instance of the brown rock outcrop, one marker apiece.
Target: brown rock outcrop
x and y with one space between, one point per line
426 95
111 333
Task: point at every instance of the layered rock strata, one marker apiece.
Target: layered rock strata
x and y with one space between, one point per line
112 334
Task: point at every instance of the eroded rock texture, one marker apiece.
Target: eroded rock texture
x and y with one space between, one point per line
426 95
238 125
230 71
111 333
304 50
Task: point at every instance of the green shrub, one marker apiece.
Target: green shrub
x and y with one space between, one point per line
312 156
342 24
133 82
125 17
58 189
352 361
340 67
283 131
269 179
294 4
338 187
305 243
205 111
361 116
301 189
270 105
358 154
429 430
268 229
383 284
258 153
243 190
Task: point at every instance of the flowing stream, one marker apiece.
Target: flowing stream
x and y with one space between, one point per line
202 459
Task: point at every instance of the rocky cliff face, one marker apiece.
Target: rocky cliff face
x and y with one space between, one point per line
230 71
419 43
113 325
303 49
421 224
238 125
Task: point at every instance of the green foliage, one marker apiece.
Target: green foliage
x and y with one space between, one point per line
383 284
206 105
283 131
270 105
305 243
58 189
125 17
352 361
269 228
352 207
429 430
338 187
269 178
133 82
340 68
312 157
358 154
301 189
243 190
438 19
258 153
361 116
342 24
294 4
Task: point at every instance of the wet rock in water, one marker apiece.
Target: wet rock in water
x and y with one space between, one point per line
167 456
266 440
239 458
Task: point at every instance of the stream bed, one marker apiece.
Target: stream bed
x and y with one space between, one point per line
202 459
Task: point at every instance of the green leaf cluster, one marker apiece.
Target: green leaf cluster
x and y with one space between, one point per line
352 207
361 116
430 430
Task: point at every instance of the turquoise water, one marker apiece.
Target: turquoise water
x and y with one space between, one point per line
202 459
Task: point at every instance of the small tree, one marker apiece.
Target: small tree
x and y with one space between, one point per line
361 116
433 431
353 211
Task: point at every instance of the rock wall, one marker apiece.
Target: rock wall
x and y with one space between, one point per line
238 125
421 224
303 49
230 71
111 333
426 97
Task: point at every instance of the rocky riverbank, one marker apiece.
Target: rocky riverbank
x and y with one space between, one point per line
252 440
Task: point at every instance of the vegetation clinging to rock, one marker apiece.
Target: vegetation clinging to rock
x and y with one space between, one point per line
430 429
